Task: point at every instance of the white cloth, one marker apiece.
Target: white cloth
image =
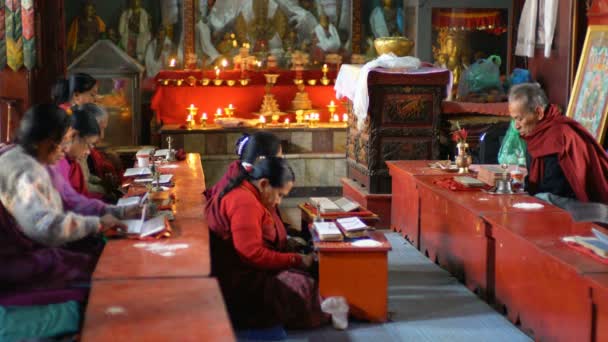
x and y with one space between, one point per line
378 23
526 35
143 37
27 193
223 13
328 44
359 95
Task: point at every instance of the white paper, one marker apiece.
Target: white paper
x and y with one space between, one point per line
366 243
162 153
528 206
163 179
327 229
144 152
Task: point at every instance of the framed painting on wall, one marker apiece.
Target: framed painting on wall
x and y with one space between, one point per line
589 101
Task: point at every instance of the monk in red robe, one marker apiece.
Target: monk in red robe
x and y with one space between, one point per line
263 283
565 161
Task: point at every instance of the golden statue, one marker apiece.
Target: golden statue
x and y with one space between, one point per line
450 52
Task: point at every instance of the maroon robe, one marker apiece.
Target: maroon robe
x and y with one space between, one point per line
582 159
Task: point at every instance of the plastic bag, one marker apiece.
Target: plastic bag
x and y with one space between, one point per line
513 148
338 309
481 76
519 76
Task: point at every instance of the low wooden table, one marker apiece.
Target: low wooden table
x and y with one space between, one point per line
360 274
157 310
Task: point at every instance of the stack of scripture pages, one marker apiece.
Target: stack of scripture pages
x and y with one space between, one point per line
145 228
328 206
352 227
328 231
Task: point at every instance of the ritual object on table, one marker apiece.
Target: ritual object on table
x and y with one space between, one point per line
204 119
270 107
230 110
331 107
191 115
301 100
217 81
324 79
489 174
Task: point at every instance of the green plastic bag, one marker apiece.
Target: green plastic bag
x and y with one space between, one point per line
513 148
42 321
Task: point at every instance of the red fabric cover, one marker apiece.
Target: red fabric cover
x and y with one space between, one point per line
170 102
450 184
587 252
255 232
582 159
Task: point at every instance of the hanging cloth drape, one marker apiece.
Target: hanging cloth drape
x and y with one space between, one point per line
526 34
14 39
2 37
29 33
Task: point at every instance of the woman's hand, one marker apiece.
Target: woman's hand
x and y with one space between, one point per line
307 260
133 211
110 222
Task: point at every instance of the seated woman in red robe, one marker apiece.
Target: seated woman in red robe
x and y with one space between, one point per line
262 282
86 134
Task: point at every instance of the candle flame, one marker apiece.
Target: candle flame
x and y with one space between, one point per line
172 63
224 63
332 103
287 121
218 112
204 117
345 117
262 119
230 106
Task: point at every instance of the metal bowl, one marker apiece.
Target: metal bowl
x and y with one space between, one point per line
400 46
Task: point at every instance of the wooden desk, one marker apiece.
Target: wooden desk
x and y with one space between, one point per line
359 274
185 254
405 203
157 310
308 217
599 297
538 278
454 234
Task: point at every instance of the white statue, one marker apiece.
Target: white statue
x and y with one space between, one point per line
337 11
134 29
304 21
202 34
158 52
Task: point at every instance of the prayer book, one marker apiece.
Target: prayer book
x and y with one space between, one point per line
352 227
129 201
162 153
489 173
469 182
143 227
328 206
137 171
163 179
328 231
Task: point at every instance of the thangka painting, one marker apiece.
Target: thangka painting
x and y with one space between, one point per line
588 103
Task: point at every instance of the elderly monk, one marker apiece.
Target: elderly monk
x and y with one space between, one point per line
567 166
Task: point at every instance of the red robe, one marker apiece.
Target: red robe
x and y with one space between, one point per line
257 277
582 159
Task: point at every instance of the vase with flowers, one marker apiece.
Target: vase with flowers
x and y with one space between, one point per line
463 158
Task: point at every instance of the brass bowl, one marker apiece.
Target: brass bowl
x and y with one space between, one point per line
325 81
218 82
230 83
271 78
400 46
312 82
205 81
244 82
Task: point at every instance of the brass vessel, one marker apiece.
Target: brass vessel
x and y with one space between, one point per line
400 46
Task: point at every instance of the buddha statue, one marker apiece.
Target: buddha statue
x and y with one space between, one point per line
386 21
449 53
327 39
84 31
263 24
134 29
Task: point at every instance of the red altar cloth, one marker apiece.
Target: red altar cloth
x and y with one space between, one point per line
170 102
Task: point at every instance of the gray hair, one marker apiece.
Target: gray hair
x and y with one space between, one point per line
530 95
99 112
